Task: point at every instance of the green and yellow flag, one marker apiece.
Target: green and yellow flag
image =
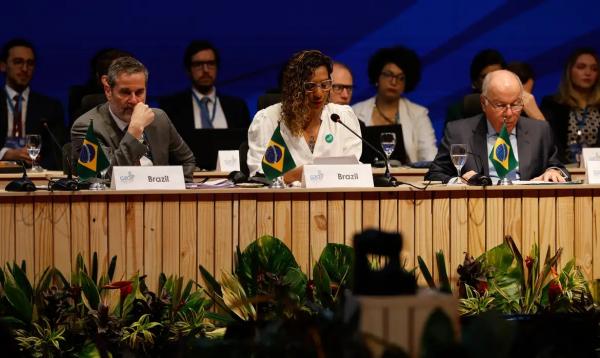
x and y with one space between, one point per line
277 159
502 155
92 159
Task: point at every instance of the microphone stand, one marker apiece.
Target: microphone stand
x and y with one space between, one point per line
68 183
385 180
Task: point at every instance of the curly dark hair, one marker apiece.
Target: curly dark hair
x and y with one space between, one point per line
298 70
402 57
483 59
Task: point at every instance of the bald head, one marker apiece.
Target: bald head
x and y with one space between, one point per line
502 99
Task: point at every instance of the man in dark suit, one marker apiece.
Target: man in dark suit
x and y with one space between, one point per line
202 107
23 111
531 140
130 132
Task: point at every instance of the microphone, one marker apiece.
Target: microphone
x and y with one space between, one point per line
378 180
478 179
68 183
23 184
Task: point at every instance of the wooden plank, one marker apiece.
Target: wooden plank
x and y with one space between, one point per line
318 226
370 211
80 229
301 230
459 233
352 216
44 239
282 213
565 228
547 220
530 229
223 234
441 230
423 229
406 227
99 230
583 238
7 230
512 218
596 236
264 215
335 218
388 217
188 263
134 234
494 219
206 232
476 224
61 208
248 219
170 235
117 234
153 243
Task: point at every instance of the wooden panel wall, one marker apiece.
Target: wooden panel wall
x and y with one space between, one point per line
175 233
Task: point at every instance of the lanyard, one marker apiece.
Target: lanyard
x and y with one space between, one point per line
10 104
214 111
581 119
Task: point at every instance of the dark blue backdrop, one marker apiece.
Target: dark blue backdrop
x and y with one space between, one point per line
255 38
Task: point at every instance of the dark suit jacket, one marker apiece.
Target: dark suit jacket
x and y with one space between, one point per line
535 142
180 109
39 109
166 145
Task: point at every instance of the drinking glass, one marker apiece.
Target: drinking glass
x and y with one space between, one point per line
458 153
33 143
100 183
388 144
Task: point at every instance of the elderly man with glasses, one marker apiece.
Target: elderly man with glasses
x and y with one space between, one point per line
531 140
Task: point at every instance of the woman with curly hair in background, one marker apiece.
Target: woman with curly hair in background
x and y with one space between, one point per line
304 117
395 71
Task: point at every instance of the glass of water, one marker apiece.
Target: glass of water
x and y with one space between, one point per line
388 143
458 153
33 143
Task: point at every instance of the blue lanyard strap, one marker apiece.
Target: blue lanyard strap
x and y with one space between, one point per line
214 111
10 101
581 119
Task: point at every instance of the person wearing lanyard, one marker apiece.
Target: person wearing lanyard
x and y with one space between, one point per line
203 107
23 111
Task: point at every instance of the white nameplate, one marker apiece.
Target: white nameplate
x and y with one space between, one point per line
228 160
337 176
148 178
592 172
590 154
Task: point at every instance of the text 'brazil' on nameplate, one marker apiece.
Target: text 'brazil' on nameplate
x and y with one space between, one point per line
148 178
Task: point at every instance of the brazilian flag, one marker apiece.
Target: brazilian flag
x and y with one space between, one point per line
92 159
277 159
502 155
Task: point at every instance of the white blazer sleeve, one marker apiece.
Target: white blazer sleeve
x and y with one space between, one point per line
260 132
426 145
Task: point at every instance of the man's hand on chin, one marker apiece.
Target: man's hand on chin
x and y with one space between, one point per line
553 175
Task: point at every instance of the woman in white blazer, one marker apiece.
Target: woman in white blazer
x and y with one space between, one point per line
395 71
303 118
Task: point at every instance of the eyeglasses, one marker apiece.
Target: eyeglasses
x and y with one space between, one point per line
501 107
340 88
390 76
312 86
22 62
204 64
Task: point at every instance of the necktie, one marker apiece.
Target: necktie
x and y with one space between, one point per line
204 116
17 125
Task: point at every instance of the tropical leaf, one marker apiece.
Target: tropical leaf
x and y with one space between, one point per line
426 273
296 280
444 280
19 301
21 280
110 273
211 285
94 273
235 298
89 291
338 261
323 285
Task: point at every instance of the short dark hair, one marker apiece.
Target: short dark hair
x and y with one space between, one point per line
103 58
196 46
523 70
127 65
484 59
15 43
402 57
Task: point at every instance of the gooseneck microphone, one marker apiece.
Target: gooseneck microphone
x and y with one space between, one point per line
68 183
385 180
23 184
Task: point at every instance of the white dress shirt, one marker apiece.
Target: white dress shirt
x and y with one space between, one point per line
219 120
